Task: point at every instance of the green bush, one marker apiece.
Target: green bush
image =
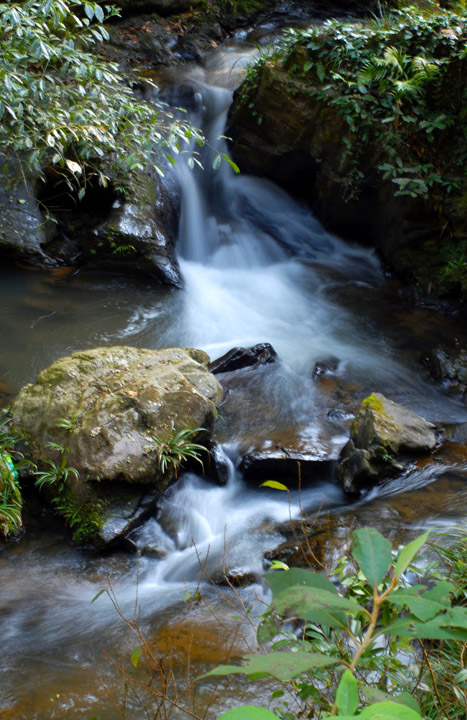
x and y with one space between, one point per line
62 104
399 83
357 655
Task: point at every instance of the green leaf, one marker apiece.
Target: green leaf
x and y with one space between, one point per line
408 553
274 485
372 552
422 603
438 628
305 602
279 565
281 665
99 13
98 595
388 711
135 656
347 694
248 712
294 579
278 582
374 695
233 165
89 10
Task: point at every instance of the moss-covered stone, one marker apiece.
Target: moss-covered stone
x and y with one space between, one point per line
310 119
382 433
106 411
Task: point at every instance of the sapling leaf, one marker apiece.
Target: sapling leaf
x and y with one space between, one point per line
408 553
347 694
372 552
388 711
281 665
375 695
98 595
422 603
248 712
278 582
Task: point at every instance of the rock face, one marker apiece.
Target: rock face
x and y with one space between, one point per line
109 410
23 228
382 433
138 235
449 366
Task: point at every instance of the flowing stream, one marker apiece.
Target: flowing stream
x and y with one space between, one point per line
258 267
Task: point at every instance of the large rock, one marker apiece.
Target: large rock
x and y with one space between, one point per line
110 408
383 434
284 127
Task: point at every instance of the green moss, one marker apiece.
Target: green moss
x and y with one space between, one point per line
84 517
374 403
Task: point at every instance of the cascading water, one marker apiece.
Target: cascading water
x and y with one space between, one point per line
258 267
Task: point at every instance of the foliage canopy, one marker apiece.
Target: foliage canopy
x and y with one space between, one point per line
63 104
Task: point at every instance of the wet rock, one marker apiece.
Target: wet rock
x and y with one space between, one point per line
291 465
217 467
104 409
325 367
448 365
381 435
24 230
123 508
457 433
240 358
139 233
308 542
238 577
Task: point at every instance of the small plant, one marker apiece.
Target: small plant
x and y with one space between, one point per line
55 475
171 452
10 495
353 656
69 424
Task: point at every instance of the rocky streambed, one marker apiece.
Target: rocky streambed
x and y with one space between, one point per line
340 367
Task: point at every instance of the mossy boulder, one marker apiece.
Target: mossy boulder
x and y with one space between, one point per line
310 119
383 435
106 411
